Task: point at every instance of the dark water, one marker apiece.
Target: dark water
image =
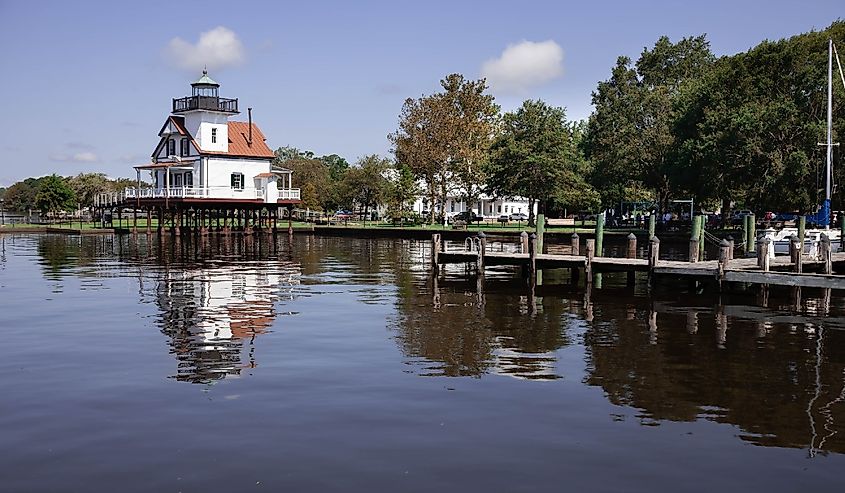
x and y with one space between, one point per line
341 365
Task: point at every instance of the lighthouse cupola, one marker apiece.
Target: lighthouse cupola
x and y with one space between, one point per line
205 97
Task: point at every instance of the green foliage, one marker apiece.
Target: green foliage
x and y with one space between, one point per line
364 185
313 178
537 158
444 138
401 192
749 127
629 137
337 166
54 195
20 197
86 186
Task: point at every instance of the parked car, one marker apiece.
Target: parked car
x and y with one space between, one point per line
504 218
519 216
341 215
467 217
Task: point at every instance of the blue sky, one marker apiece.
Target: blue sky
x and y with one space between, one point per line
87 85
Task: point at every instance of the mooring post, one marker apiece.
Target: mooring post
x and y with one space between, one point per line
732 245
523 242
761 252
435 250
482 250
541 231
632 253
651 225
802 227
825 252
724 258
752 233
575 244
767 246
745 246
134 221
702 220
588 261
796 250
599 235
653 257
149 221
694 237
842 231
532 256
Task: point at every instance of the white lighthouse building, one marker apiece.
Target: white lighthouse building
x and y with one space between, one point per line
203 157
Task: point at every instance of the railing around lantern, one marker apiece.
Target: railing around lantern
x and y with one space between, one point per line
212 103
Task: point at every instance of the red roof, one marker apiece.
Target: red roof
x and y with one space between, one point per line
239 142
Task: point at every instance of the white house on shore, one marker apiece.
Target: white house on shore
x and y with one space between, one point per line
203 156
486 206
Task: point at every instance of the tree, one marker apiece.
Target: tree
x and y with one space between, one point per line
20 197
630 138
365 184
401 192
535 157
86 186
337 166
312 174
54 195
444 138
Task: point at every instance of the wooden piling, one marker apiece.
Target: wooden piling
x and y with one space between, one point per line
653 257
694 239
588 260
482 250
632 253
825 253
702 219
651 225
532 256
802 227
149 221
751 240
795 253
523 242
599 235
541 231
724 259
575 244
435 250
842 232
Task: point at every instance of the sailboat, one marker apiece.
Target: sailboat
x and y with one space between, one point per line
782 237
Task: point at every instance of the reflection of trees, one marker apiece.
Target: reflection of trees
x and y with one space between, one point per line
763 379
464 333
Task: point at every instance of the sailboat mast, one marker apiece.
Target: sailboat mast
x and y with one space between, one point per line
829 115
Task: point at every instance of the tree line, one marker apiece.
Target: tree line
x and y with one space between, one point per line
51 194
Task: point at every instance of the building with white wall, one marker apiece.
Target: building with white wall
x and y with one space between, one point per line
203 156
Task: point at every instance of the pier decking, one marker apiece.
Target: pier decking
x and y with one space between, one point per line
795 270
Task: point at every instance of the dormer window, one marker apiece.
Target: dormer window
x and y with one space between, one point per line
171 147
183 148
213 135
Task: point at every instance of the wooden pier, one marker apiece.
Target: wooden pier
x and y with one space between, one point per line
797 270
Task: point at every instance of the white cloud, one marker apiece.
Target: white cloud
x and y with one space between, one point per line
524 65
79 157
215 49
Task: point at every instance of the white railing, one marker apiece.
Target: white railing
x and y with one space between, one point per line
288 194
207 193
195 193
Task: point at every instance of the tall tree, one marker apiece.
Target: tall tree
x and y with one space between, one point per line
444 138
54 195
535 157
629 136
365 184
86 186
401 192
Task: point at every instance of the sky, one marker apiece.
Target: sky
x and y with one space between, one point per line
87 85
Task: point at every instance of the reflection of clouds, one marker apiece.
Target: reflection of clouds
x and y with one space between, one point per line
211 313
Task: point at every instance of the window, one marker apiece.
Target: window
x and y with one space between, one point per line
214 137
177 180
171 147
183 147
189 179
238 181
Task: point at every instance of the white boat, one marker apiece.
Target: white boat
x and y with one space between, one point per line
782 237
